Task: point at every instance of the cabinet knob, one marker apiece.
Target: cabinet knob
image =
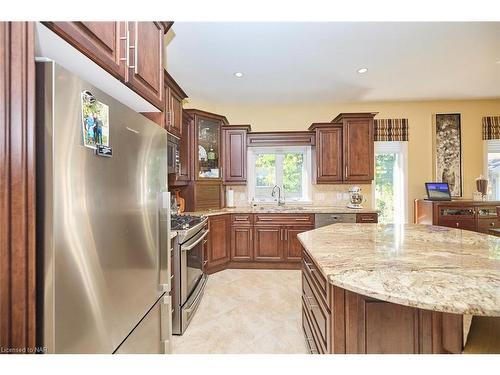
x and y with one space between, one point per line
457 224
492 224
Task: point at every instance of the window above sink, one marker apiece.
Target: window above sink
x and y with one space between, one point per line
287 167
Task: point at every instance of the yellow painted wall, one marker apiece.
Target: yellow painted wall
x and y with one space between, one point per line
419 114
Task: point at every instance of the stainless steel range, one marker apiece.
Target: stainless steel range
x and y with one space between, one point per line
190 280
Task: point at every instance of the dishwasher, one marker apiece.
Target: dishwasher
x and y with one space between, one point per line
326 219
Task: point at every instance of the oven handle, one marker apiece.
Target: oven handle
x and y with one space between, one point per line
190 246
196 300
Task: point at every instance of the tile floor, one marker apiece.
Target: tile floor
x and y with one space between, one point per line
247 312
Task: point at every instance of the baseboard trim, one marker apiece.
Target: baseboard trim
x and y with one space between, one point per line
256 266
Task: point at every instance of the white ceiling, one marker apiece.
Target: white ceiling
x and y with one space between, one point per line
310 62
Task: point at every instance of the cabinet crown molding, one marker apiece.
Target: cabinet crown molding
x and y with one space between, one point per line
248 128
170 82
341 116
318 125
199 112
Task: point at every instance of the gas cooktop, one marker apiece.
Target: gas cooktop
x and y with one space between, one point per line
183 222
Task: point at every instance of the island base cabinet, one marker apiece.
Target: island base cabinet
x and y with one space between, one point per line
379 327
343 322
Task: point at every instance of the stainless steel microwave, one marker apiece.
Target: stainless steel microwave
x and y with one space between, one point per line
173 161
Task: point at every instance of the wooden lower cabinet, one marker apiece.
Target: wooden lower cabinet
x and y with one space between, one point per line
336 320
241 243
292 245
218 241
268 245
267 240
264 241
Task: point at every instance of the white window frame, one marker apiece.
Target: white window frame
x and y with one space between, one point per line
280 151
492 145
401 148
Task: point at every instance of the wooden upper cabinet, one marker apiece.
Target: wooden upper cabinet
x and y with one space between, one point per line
103 42
345 149
184 173
174 96
207 148
358 147
185 148
175 102
234 154
329 154
145 70
130 51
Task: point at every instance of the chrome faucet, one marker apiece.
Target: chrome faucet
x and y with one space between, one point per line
273 194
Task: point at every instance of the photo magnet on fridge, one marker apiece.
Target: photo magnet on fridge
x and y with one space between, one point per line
95 121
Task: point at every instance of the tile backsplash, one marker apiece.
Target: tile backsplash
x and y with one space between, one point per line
321 195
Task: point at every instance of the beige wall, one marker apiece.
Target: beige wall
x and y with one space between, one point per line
420 117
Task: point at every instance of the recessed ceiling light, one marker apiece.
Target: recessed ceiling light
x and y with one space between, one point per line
362 70
238 74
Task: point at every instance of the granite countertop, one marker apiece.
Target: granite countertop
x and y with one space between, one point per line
424 266
292 209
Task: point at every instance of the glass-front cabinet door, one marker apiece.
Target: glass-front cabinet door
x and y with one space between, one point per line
208 133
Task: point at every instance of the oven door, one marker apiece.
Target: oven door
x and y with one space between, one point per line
192 263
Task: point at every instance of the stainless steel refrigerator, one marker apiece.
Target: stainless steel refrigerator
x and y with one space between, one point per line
103 225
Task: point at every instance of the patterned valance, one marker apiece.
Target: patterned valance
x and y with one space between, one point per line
491 127
391 129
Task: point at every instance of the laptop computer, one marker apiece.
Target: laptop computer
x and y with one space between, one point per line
438 191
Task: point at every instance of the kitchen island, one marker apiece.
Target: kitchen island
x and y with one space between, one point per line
378 288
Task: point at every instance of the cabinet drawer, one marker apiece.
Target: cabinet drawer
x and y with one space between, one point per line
486 212
485 224
452 213
459 223
308 332
367 218
239 219
317 312
314 274
299 219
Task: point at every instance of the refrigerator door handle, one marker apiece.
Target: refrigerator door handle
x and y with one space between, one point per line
164 241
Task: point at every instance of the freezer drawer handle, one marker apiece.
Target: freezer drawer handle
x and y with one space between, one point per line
165 325
190 246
